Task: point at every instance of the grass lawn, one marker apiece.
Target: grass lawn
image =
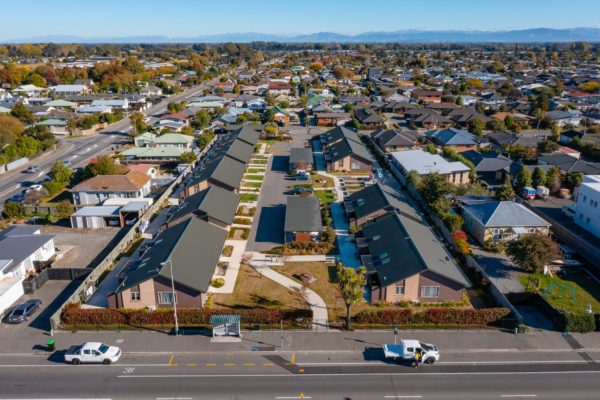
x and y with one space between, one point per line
259 161
255 177
245 211
255 291
328 182
357 172
253 184
557 290
238 233
242 221
325 196
248 197
268 142
255 170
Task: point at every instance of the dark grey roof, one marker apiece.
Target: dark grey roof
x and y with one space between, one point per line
396 137
248 134
19 248
487 162
569 163
301 155
20 230
347 147
412 243
214 202
193 246
240 151
500 214
339 133
369 200
225 170
368 116
303 214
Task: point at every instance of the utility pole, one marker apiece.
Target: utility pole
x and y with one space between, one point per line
173 294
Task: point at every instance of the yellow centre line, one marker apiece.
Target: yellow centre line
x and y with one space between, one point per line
191 365
230 364
249 364
267 364
211 365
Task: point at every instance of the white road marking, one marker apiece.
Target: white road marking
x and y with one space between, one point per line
81 365
518 395
173 398
375 363
293 397
396 374
403 397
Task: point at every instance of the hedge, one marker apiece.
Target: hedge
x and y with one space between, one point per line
73 315
432 316
576 322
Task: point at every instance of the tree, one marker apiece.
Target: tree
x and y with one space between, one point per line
104 165
532 251
553 180
453 222
590 87
574 179
61 173
351 282
21 113
505 191
188 157
201 119
539 177
523 178
187 130
547 146
10 130
12 210
435 186
138 124
476 127
520 152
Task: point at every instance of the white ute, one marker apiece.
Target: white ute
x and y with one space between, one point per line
92 352
407 349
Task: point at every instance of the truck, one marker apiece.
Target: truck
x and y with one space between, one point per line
528 193
92 352
407 348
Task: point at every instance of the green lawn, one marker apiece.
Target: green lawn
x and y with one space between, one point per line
253 184
316 178
254 177
248 197
259 161
557 290
325 196
255 170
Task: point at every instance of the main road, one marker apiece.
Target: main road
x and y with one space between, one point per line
253 377
80 150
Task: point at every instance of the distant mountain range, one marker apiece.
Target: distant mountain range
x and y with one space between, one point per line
402 36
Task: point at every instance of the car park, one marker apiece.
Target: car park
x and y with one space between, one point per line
23 311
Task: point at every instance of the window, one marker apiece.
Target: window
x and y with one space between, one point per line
430 291
135 296
399 289
166 298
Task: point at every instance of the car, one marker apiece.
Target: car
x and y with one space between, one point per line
17 198
22 311
302 177
37 187
569 211
32 169
67 162
299 190
93 352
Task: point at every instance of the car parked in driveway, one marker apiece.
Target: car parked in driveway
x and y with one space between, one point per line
299 190
23 311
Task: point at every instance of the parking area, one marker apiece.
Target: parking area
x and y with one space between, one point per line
78 248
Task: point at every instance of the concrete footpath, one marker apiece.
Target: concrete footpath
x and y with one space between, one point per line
489 341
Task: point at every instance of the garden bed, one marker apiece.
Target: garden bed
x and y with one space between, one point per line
248 197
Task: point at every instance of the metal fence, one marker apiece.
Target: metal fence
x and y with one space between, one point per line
88 285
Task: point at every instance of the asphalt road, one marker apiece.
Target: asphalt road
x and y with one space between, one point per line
80 150
263 378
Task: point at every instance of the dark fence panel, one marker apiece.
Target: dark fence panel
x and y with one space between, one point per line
31 284
67 274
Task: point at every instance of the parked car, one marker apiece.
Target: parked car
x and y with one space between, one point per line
569 211
299 190
22 311
302 177
17 198
32 169
407 349
37 187
92 352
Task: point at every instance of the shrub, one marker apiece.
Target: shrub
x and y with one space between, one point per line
432 316
577 322
217 282
453 222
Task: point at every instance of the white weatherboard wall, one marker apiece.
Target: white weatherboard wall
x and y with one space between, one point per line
588 205
10 291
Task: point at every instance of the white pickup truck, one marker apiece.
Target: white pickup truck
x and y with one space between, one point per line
407 349
92 352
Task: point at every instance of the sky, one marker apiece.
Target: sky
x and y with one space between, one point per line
188 18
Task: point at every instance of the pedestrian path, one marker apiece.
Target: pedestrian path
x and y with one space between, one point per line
315 302
233 267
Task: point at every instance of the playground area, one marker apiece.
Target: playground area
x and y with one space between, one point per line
574 292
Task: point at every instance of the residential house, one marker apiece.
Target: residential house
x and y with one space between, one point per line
426 118
368 204
464 116
132 185
427 96
213 204
457 139
567 163
177 261
501 221
224 172
21 246
563 118
389 141
302 219
587 211
301 158
65 90
151 91
344 151
331 118
425 163
491 167
369 119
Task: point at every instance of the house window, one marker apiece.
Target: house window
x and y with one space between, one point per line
430 291
165 298
399 290
135 296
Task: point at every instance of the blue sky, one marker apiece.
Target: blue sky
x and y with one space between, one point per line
187 18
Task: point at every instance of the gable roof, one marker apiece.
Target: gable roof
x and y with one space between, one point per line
338 133
497 214
301 155
347 147
225 170
130 182
452 137
240 151
248 134
396 137
368 200
303 214
193 246
214 202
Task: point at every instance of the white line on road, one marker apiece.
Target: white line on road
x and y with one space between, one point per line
403 397
293 397
173 398
518 395
375 363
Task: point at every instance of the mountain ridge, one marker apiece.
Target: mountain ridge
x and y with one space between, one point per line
531 35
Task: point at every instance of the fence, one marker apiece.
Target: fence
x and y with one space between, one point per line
13 165
87 287
33 283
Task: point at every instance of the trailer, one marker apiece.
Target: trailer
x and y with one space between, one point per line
528 193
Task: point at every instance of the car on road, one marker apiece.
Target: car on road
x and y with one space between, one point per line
408 349
299 190
22 311
32 169
67 162
92 353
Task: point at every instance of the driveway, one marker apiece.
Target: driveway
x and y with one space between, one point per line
501 271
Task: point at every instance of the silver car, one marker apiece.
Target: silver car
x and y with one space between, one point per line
22 311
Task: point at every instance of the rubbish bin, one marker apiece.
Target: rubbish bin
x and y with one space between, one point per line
50 345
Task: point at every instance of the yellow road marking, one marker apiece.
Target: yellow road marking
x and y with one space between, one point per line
211 365
191 365
293 358
249 364
229 364
267 364
171 360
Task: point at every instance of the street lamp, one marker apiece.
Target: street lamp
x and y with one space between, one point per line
173 294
